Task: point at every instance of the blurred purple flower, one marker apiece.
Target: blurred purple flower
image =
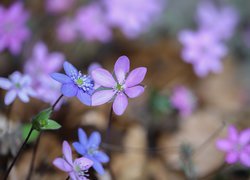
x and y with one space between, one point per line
92 24
222 21
120 87
183 100
78 169
203 50
236 146
13 29
89 148
58 6
39 67
66 31
132 17
17 85
74 83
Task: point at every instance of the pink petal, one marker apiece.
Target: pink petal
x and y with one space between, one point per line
67 152
233 133
245 158
103 78
136 76
232 157
134 91
61 164
120 104
244 137
101 97
83 163
10 97
121 68
224 145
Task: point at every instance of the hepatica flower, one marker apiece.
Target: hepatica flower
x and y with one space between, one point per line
120 86
13 29
58 6
76 169
17 85
89 148
74 83
236 146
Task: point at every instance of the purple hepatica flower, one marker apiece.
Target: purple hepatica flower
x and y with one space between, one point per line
203 50
39 66
222 21
91 23
132 17
237 146
74 83
13 29
120 87
89 148
66 31
78 169
183 100
59 6
17 85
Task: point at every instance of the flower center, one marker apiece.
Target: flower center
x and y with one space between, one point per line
84 82
17 85
119 87
91 151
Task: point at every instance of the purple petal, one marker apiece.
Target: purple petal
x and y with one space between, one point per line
80 149
5 83
73 176
69 69
83 163
121 68
244 137
135 77
62 78
82 137
69 90
101 97
101 157
233 133
120 104
94 139
10 97
93 66
67 153
103 78
98 167
84 97
61 164
135 91
232 157
245 158
224 145
15 77
23 96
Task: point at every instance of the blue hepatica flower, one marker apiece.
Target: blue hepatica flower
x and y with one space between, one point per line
74 83
89 148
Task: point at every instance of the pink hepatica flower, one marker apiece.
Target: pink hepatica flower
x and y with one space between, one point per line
17 85
39 67
92 24
222 21
183 100
203 50
236 145
13 29
76 169
66 30
132 17
59 6
120 87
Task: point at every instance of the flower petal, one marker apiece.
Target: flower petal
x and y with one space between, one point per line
82 136
101 97
232 157
15 77
136 76
224 145
98 167
23 96
61 164
5 83
79 148
84 97
69 90
83 163
69 69
245 158
103 77
233 133
120 104
135 91
67 153
94 139
101 156
62 78
121 68
10 97
244 137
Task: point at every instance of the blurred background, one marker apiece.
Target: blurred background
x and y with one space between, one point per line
198 58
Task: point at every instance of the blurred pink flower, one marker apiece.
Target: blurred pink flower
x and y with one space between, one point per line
13 29
132 17
183 100
236 146
222 21
58 6
66 31
92 24
203 50
39 66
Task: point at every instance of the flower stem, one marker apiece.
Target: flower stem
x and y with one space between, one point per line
18 154
54 105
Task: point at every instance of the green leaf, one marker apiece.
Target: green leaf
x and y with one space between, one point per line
51 125
25 130
41 119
